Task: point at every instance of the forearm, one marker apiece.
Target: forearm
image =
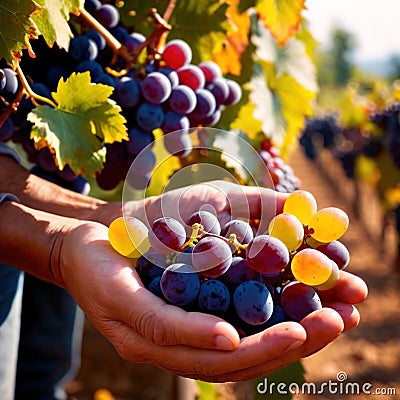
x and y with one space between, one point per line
43 195
30 240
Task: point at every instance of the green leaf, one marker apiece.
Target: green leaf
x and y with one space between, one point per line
83 121
15 24
290 58
239 154
52 20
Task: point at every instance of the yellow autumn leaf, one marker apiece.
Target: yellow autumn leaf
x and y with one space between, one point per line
281 17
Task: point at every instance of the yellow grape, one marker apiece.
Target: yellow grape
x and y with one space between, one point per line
311 267
329 224
129 236
332 280
302 204
287 228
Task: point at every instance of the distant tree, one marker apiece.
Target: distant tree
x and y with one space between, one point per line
395 67
343 45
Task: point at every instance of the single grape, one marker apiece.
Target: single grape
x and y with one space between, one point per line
127 92
156 87
210 120
298 300
149 266
278 316
238 272
220 90
10 86
242 230
144 162
311 267
175 122
82 48
67 174
302 204
178 143
185 257
235 93
167 235
177 53
97 38
138 182
329 224
253 302
288 229
138 140
107 15
180 284
171 74
155 287
208 220
337 252
149 116
45 160
267 254
182 100
211 257
214 297
128 236
211 70
332 280
205 105
192 76
94 68
133 41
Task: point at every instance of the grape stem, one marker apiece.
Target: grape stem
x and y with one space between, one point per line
35 98
169 10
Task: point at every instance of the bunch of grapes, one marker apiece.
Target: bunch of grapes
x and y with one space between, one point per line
282 174
167 92
253 281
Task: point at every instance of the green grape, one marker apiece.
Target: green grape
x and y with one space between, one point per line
332 280
329 224
302 204
287 228
311 267
129 237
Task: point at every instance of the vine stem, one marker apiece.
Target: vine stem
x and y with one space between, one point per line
35 98
169 10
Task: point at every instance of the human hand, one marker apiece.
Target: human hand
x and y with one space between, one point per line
143 328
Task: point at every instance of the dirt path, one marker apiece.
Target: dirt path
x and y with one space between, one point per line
368 354
371 352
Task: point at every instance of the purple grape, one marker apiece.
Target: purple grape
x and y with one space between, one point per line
94 68
10 86
149 116
211 70
209 221
171 75
97 38
82 48
175 122
185 256
210 120
220 90
67 174
127 92
298 300
235 93
214 297
92 5
205 105
337 252
133 41
267 254
156 87
238 272
180 284
182 100
144 162
278 316
138 182
167 235
149 266
107 15
138 140
178 143
253 302
177 53
211 257
192 76
45 160
55 73
242 230
155 287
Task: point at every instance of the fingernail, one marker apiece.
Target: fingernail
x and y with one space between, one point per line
293 346
223 343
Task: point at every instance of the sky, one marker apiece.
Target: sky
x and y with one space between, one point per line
375 24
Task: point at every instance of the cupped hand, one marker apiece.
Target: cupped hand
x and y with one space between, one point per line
143 328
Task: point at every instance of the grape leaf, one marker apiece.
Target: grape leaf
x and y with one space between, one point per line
281 17
15 25
77 129
290 58
52 20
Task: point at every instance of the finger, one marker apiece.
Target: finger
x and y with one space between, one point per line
349 314
206 364
321 327
349 289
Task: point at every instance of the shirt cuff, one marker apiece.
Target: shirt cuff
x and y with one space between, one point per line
8 197
8 151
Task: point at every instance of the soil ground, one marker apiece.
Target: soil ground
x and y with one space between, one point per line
368 354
